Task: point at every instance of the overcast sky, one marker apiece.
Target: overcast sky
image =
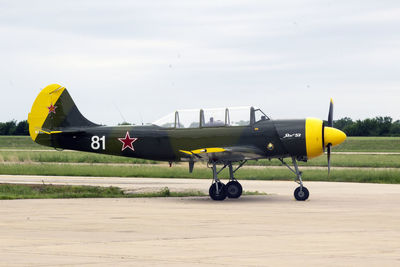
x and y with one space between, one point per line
144 59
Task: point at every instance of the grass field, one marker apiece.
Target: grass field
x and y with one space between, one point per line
26 191
338 160
370 144
356 175
14 191
19 142
66 156
25 161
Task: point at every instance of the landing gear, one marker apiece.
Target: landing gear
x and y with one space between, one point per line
233 188
301 193
219 191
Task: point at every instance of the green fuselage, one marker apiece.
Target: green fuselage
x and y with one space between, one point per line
285 137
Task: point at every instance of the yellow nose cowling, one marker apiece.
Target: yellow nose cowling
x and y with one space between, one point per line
333 136
314 137
315 142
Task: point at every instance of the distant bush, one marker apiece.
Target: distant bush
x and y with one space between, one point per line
12 128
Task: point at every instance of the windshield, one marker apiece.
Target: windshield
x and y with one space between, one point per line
259 115
213 117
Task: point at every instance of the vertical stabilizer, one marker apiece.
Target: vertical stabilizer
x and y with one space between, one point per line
54 111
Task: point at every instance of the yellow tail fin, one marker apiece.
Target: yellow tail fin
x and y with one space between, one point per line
53 111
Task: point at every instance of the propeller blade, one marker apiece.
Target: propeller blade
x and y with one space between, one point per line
330 115
329 158
323 136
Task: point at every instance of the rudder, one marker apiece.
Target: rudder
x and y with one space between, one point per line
53 111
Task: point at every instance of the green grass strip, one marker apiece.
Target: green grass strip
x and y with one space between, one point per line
19 142
338 160
67 156
370 144
21 191
13 191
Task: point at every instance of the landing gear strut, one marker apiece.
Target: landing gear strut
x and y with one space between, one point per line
300 193
217 189
233 189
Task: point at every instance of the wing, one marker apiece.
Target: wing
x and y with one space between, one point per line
235 153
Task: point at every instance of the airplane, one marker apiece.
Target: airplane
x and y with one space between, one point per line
217 136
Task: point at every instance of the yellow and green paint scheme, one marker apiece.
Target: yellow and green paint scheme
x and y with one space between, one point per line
55 121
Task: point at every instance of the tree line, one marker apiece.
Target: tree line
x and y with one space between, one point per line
14 128
378 126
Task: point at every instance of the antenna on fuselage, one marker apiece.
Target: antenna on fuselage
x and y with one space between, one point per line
141 118
120 113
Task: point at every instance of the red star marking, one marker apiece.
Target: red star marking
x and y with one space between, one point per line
127 142
52 109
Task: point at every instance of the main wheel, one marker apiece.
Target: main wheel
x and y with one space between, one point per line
234 189
221 194
301 194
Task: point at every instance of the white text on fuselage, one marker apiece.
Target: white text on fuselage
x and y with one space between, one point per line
293 135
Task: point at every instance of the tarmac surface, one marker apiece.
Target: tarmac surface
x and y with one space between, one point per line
342 224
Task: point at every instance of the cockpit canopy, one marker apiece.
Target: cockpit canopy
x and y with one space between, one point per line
213 117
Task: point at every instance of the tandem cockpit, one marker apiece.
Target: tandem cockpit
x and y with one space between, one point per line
213 117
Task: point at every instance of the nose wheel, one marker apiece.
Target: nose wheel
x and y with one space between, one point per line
301 193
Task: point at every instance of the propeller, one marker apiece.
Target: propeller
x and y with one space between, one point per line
329 159
330 114
331 136
330 124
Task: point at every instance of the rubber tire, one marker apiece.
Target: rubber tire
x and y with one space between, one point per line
301 196
234 189
213 192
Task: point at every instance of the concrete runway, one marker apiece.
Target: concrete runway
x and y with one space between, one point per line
343 224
